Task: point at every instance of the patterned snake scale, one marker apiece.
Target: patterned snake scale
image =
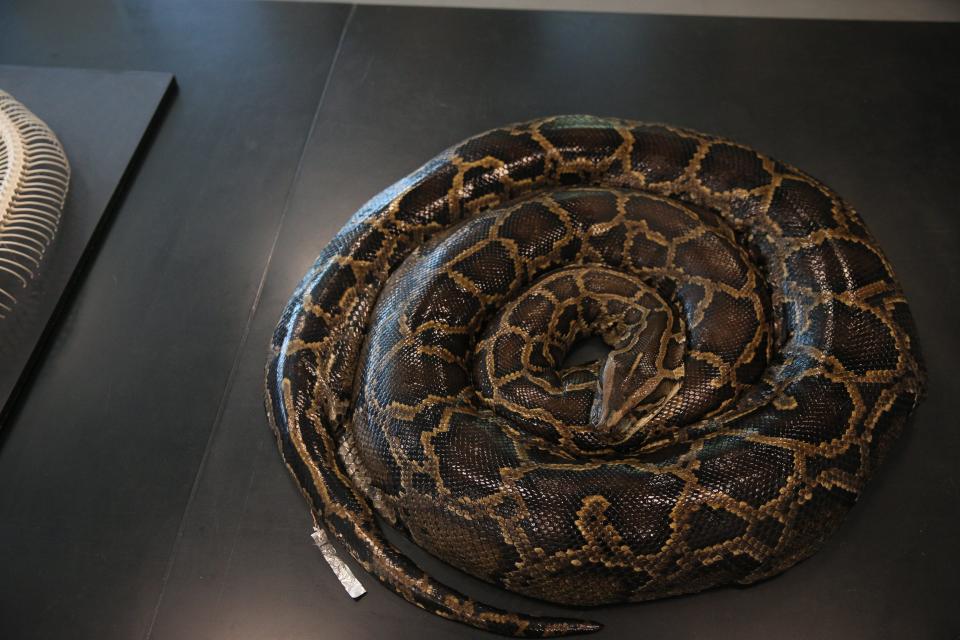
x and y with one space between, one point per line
762 360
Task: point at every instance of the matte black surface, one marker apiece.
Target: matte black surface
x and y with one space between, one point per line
870 108
99 461
100 118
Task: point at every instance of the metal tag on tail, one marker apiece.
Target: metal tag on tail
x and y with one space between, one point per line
340 568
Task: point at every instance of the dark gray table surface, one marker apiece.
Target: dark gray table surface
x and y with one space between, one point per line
141 494
102 119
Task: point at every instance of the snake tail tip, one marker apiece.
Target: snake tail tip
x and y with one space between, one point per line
563 627
585 626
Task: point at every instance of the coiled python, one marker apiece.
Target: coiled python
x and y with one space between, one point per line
762 358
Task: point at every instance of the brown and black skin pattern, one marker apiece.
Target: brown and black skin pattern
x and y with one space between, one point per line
799 367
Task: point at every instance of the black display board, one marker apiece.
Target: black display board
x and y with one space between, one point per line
141 493
99 457
100 117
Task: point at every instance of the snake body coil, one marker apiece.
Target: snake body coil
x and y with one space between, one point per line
762 358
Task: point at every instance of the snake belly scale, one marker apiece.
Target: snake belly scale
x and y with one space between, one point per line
762 358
